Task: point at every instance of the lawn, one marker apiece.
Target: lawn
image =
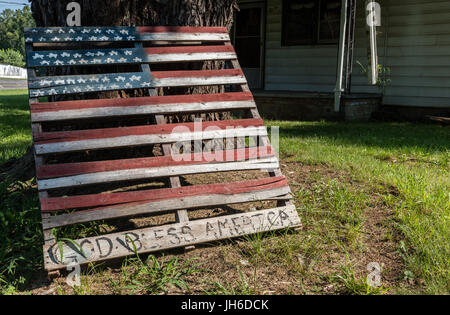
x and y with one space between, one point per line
15 135
366 193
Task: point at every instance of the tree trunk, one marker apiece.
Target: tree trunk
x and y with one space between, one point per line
138 12
145 13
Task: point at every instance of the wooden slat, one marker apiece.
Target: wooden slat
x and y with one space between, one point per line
189 53
64 85
67 110
87 57
70 169
121 34
67 141
52 58
97 200
156 172
170 236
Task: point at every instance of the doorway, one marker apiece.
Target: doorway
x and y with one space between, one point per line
249 41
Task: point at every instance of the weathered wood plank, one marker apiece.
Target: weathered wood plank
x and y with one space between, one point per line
60 136
96 57
78 168
102 200
120 34
137 140
52 58
140 101
155 172
64 85
83 109
170 236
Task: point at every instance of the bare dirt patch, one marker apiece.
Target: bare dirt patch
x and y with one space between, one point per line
286 262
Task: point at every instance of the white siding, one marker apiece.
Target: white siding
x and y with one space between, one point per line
418 53
417 33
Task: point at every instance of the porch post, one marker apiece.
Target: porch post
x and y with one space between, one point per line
345 57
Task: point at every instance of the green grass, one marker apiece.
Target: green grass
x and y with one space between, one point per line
15 128
412 159
404 165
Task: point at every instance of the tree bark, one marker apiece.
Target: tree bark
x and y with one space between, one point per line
146 13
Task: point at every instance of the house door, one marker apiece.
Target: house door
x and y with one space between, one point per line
249 42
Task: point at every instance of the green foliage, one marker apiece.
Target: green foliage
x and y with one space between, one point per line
11 57
20 232
12 24
154 276
353 285
15 131
384 74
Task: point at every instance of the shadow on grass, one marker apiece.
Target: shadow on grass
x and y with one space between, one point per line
424 137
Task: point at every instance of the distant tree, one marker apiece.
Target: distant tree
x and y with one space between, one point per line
11 57
11 28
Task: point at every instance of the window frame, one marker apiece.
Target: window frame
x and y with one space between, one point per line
316 40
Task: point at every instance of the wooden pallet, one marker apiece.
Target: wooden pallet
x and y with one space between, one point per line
73 185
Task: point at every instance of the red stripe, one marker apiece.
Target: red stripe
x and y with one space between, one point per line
181 29
197 73
67 136
137 101
188 49
63 203
70 169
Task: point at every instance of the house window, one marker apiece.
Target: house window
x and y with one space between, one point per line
311 22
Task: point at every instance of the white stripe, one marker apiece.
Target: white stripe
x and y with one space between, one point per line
184 36
139 110
181 57
145 139
167 171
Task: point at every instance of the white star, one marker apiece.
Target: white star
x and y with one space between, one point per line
52 55
135 78
36 56
128 52
64 54
45 82
38 93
